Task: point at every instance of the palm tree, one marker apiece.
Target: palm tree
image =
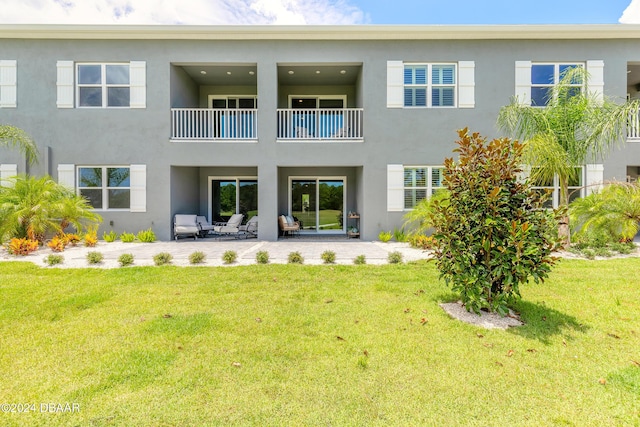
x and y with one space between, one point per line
574 128
613 211
11 136
32 207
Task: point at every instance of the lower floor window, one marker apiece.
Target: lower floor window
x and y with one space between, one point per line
552 186
106 187
421 182
234 195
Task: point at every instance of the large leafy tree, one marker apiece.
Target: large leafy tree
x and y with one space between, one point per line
33 207
491 233
575 128
13 137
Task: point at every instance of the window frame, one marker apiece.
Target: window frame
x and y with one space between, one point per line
103 85
429 86
429 188
555 188
105 188
556 77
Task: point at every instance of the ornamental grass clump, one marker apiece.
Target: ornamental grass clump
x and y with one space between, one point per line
162 258
197 257
262 257
491 233
229 257
328 257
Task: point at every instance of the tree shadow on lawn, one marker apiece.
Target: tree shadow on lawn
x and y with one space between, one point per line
542 322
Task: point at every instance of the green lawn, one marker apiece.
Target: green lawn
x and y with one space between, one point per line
290 345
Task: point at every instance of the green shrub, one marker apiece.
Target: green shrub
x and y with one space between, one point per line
492 233
384 236
197 257
623 248
125 260
147 236
162 258
229 257
394 257
53 259
262 257
109 237
329 257
399 235
295 258
94 257
360 260
127 237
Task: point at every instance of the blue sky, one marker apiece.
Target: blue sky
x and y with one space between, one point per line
314 12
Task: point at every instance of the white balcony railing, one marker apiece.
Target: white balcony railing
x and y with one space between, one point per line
633 127
214 124
326 124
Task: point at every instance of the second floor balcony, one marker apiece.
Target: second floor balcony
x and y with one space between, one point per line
322 125
213 124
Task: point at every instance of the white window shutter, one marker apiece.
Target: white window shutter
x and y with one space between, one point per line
523 82
138 76
64 83
595 178
595 83
466 84
395 84
67 175
138 180
7 171
395 188
8 83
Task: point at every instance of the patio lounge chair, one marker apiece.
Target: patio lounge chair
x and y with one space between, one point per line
185 225
251 227
288 226
204 226
231 227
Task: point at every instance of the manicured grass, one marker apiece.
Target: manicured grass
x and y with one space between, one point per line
292 345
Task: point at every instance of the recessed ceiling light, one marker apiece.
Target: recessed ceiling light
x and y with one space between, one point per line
317 71
290 71
203 72
343 71
252 72
228 73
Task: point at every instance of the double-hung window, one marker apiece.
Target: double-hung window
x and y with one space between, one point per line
106 187
430 85
421 182
544 76
103 85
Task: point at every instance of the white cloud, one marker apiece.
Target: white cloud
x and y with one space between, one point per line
631 14
191 12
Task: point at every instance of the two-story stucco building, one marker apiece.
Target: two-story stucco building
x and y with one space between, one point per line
151 121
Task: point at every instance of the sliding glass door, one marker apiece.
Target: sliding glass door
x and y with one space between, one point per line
233 195
318 203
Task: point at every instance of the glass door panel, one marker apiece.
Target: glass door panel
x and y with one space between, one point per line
330 205
303 202
248 197
223 197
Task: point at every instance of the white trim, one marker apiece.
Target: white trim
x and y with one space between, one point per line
318 98
67 175
594 178
138 84
466 84
7 171
8 83
523 82
595 82
237 97
138 188
395 84
64 84
395 188
318 179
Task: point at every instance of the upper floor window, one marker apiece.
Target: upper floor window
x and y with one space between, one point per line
421 182
545 76
103 85
106 187
429 85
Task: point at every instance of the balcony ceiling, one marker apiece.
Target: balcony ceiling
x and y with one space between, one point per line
318 75
222 75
